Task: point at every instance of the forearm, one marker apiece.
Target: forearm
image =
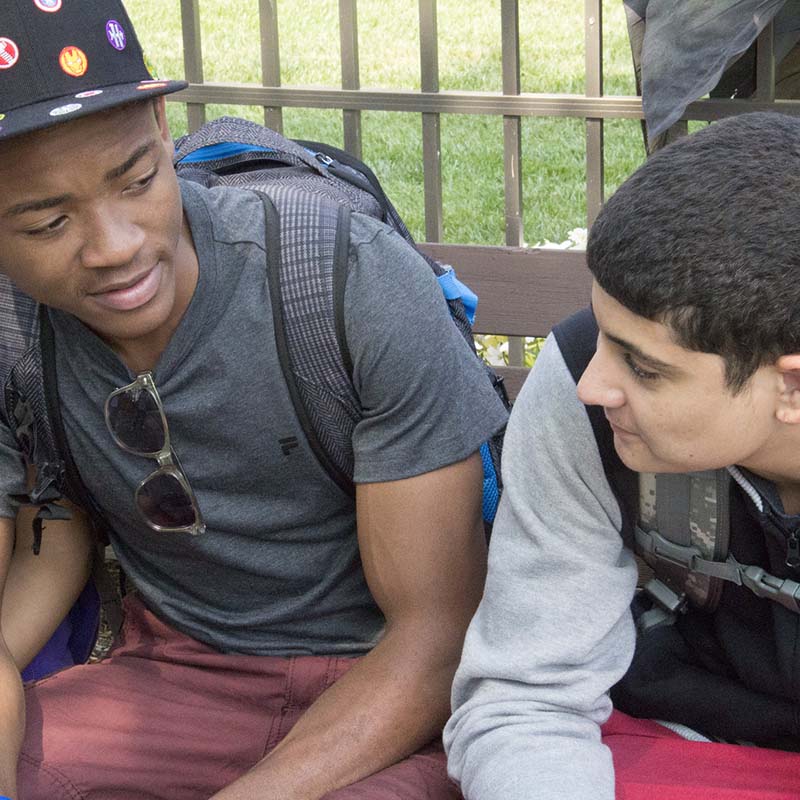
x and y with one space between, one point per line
12 721
389 704
41 589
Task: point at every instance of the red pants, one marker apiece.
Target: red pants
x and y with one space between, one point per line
168 718
653 763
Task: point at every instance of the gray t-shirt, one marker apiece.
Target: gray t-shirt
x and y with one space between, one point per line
278 570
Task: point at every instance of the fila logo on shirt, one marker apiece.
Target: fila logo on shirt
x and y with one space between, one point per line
288 443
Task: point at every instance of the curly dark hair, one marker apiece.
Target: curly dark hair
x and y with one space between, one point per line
705 238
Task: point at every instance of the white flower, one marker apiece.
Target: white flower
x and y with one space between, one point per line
576 239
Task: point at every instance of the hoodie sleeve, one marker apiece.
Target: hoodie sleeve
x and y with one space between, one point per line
554 631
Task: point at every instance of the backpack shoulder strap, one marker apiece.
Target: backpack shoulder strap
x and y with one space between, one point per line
577 339
31 409
307 241
25 407
684 521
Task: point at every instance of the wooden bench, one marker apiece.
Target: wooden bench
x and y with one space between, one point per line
521 291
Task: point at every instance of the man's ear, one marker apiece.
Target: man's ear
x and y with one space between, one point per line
160 110
789 399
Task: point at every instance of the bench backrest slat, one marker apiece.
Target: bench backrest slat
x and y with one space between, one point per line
521 292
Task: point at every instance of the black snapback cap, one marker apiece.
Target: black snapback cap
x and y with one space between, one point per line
63 59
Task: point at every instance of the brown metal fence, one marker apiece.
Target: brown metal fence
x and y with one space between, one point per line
430 103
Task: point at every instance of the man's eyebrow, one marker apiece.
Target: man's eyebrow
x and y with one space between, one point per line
111 175
644 358
36 205
131 162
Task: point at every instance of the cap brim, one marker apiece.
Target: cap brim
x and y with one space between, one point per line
63 109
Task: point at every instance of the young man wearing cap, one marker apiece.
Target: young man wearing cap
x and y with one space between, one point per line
284 641
696 261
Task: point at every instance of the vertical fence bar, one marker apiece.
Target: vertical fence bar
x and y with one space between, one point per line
431 123
192 58
594 127
765 64
348 35
270 58
512 149
512 126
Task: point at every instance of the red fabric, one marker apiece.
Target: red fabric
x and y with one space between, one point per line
653 763
168 718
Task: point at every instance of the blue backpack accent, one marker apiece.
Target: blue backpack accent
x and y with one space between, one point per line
453 289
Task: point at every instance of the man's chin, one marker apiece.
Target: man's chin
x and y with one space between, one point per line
639 458
635 455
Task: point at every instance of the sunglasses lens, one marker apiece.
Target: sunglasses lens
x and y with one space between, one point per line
165 503
135 419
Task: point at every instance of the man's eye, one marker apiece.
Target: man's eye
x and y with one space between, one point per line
45 230
639 373
142 183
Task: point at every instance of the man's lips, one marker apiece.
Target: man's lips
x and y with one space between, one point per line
618 429
131 294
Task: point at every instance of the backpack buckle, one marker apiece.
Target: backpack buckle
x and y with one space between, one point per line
667 604
780 590
666 598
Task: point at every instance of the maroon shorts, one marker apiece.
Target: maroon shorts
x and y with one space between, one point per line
168 718
651 761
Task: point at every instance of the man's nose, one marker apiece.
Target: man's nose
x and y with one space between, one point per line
111 239
597 386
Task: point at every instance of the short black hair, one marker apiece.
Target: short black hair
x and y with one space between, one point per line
705 238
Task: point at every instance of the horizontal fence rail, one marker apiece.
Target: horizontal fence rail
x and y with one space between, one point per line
447 102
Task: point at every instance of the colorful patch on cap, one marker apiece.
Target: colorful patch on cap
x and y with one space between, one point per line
2 117
90 93
9 53
152 85
50 6
73 61
116 35
67 109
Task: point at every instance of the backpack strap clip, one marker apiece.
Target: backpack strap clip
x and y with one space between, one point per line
780 590
656 548
667 604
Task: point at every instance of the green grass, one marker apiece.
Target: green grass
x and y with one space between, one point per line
552 60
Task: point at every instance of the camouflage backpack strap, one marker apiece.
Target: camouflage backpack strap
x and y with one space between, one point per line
691 568
308 242
684 520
